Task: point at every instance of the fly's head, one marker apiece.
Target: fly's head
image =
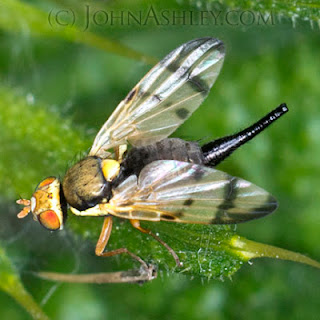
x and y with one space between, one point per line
47 204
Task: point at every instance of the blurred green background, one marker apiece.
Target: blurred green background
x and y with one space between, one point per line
78 79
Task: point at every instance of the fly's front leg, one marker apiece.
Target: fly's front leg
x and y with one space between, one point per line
144 274
103 240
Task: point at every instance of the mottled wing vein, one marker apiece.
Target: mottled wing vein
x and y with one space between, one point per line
183 78
184 192
171 107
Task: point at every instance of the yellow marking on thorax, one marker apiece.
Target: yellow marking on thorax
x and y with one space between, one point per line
94 211
110 169
101 209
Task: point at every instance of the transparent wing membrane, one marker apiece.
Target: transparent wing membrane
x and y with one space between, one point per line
164 98
184 192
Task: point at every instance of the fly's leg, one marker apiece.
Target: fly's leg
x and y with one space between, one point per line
136 224
103 240
145 273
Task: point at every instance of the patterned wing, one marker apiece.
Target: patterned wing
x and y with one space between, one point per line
164 98
184 192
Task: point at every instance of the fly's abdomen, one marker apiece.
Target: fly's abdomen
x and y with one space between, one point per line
180 150
167 149
84 185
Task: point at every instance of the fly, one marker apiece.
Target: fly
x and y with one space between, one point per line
157 178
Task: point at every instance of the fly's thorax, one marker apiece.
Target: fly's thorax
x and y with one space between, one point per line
88 182
48 204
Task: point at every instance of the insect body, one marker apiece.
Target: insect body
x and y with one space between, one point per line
159 178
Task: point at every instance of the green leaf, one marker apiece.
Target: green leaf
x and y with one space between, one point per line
207 251
303 10
10 283
37 132
23 18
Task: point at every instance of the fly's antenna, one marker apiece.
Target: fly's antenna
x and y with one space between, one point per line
27 207
216 151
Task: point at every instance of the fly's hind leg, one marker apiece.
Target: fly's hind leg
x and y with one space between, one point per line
103 240
136 224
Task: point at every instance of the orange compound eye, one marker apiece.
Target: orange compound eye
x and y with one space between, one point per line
49 219
46 182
